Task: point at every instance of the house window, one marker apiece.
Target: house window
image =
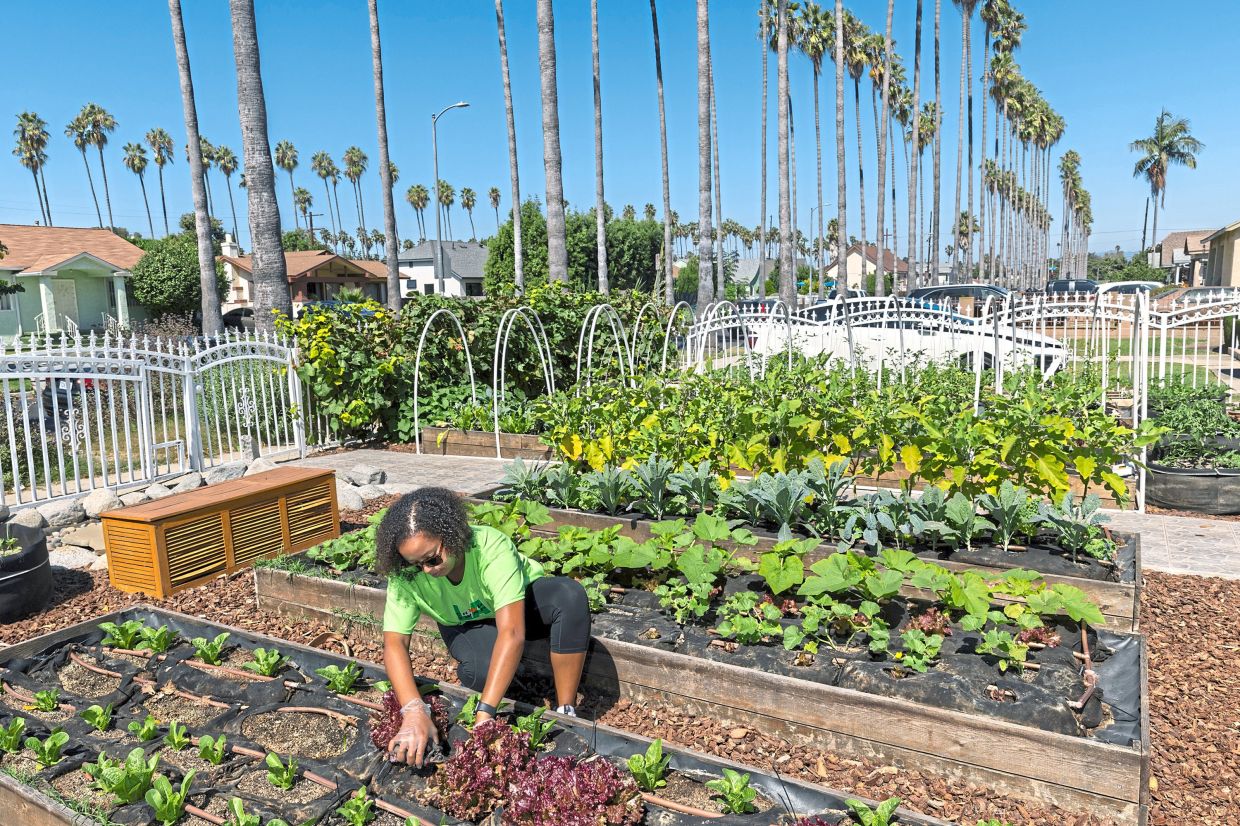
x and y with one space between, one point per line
7 302
428 289
473 289
312 291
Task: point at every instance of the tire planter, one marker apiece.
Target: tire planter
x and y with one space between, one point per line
442 441
25 577
1202 490
1077 773
235 708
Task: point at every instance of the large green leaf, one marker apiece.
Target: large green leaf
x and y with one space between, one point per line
781 572
832 575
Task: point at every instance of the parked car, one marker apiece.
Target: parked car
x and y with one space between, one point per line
239 318
1128 287
1071 285
1207 294
954 292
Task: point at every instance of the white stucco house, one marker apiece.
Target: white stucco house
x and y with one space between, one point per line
463 262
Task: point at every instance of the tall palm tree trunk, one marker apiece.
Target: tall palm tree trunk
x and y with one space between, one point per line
385 168
938 145
557 251
960 128
914 241
860 174
206 178
880 287
517 245
818 157
107 194
600 218
705 292
336 198
327 196
668 283
792 185
271 290
720 291
292 193
90 180
841 175
163 201
212 321
232 206
968 54
149 222
762 275
34 174
47 203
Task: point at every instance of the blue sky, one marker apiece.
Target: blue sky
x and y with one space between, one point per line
1107 66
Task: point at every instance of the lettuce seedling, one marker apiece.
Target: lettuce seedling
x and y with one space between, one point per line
880 816
474 781
98 717
11 736
126 780
212 749
238 815
157 640
176 738
148 729
279 774
534 725
734 792
210 651
341 680
650 768
358 810
48 700
168 803
47 752
125 635
267 662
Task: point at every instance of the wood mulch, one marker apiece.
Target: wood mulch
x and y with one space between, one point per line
1192 626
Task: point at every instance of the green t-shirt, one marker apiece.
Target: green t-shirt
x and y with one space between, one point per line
496 574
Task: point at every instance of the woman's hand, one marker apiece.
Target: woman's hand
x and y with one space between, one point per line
417 732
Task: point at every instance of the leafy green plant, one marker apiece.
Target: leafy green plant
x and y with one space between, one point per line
210 651
880 816
47 700
783 566
649 769
358 810
534 725
735 794
653 480
168 802
564 486
176 738
467 717
47 751
748 619
683 599
1067 600
98 717
611 487
124 635
279 774
783 499
1006 509
696 484
963 518
238 815
1078 527
525 481
157 640
126 780
148 729
11 736
1001 645
341 680
267 662
919 649
212 749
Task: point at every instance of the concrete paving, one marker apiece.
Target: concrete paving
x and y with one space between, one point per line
464 474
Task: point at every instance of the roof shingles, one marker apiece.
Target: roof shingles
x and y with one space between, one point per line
35 249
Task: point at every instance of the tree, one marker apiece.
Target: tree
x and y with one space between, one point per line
355 162
270 275
493 196
166 277
32 137
445 194
321 164
387 170
79 130
967 8
518 235
161 153
599 207
419 198
286 159
669 287
557 252
856 60
135 161
938 144
705 292
212 321
880 282
302 202
649 212
100 125
817 33
469 200
499 272
1171 144
227 162
841 243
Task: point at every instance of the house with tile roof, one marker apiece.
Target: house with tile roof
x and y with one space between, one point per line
71 279
313 276
463 264
1183 256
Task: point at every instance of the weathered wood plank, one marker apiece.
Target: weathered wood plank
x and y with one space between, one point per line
451 442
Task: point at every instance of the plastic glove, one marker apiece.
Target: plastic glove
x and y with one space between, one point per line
417 731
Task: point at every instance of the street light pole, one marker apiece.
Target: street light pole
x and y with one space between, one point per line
438 259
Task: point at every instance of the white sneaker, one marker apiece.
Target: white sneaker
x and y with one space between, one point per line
568 711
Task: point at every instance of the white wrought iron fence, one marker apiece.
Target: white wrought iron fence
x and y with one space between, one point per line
83 412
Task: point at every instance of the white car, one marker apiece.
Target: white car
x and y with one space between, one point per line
1128 287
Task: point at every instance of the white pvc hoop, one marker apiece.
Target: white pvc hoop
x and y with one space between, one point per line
618 333
417 369
676 311
637 333
499 362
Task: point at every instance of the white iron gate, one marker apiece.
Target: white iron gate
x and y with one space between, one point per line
88 412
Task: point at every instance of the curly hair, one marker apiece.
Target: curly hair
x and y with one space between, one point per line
436 512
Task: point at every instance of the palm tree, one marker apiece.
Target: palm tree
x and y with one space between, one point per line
493 195
321 164
816 30
226 161
705 291
1172 144
286 159
938 144
79 129
161 153
161 143
446 195
967 7
600 218
517 250
32 137
880 286
101 123
355 162
135 161
720 276
764 38
841 237
557 249
915 139
387 170
302 202
419 198
668 285
469 199
856 60
270 275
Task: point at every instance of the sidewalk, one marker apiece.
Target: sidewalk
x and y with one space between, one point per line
464 474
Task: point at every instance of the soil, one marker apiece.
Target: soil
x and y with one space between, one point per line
76 785
167 708
24 710
187 759
317 736
111 734
83 682
18 763
682 788
356 520
255 784
217 807
141 662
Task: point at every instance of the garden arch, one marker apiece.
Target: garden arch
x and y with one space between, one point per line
585 347
417 368
500 359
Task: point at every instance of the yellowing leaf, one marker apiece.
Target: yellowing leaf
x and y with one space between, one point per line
570 447
911 456
1085 466
841 441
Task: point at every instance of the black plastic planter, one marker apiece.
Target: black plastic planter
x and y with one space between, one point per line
25 577
1203 490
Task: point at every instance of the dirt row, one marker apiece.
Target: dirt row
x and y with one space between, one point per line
1193 626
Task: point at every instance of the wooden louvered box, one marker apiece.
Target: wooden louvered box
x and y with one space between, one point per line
183 540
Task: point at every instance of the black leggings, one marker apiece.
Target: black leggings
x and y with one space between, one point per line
556 609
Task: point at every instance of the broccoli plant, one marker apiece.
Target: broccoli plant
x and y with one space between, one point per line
783 499
564 486
11 736
919 650
176 738
168 802
341 680
267 662
210 651
734 792
534 725
697 486
1078 527
649 769
525 481
157 640
98 717
126 780
48 700
148 729
212 749
880 816
47 752
125 635
279 774
358 810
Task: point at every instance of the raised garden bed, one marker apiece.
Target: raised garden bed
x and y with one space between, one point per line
445 441
968 722
1200 489
296 715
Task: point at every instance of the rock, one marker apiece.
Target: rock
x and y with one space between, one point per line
98 501
28 518
156 491
370 492
87 536
348 499
69 556
100 563
397 488
190 481
225 472
365 475
64 513
738 733
136 497
260 465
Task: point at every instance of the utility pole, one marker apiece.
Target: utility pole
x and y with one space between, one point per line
1145 222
